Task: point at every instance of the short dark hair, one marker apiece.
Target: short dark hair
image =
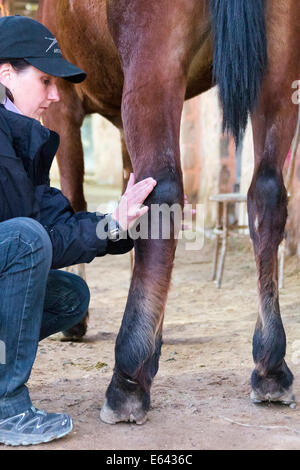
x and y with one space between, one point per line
19 65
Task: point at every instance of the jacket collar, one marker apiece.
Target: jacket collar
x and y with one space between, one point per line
8 104
29 137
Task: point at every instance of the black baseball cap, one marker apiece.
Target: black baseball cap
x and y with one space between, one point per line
24 38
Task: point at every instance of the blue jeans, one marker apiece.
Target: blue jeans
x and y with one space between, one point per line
35 302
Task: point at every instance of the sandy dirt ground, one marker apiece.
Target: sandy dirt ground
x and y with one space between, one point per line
200 396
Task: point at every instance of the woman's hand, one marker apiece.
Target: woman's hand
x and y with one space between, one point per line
129 208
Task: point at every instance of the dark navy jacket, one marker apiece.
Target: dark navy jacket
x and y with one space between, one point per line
27 150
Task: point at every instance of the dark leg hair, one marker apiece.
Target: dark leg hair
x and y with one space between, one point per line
274 124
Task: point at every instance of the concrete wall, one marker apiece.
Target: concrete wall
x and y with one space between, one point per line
209 151
107 152
247 170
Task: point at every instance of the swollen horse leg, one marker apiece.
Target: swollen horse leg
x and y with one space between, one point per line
274 125
153 95
66 117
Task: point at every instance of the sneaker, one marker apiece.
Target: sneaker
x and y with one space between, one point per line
34 427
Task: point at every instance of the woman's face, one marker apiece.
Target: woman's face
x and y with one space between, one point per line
33 90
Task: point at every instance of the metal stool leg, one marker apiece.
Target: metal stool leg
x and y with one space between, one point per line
224 246
217 247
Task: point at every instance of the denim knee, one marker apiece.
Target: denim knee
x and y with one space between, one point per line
83 292
31 232
67 294
84 289
66 302
84 295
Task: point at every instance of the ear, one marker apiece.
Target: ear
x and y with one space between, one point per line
5 74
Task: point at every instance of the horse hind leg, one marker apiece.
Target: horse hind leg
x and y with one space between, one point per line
274 124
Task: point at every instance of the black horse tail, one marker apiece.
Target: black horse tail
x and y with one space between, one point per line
240 58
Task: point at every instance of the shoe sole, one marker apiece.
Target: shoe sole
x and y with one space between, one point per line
15 440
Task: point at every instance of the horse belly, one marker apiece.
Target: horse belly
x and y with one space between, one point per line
200 71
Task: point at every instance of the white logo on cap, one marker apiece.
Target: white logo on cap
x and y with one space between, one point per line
54 41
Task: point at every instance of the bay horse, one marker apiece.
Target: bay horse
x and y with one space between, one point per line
143 59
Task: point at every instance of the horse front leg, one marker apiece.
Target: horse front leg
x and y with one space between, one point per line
274 124
153 95
139 341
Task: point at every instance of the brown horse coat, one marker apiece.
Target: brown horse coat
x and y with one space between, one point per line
143 59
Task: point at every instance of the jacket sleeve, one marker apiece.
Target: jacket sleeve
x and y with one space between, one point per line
74 235
16 190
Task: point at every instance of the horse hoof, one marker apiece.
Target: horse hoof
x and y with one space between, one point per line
254 399
75 333
286 398
131 413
